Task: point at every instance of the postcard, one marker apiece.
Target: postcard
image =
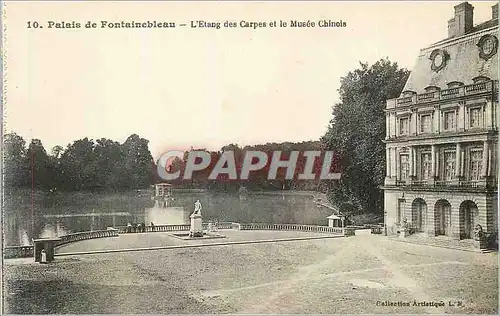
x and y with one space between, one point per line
244 157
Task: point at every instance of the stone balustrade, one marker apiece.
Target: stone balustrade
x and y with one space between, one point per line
472 89
66 239
295 227
27 251
18 252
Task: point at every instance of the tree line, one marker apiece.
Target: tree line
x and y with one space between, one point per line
85 164
356 132
106 165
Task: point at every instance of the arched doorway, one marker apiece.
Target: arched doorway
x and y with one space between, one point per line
442 217
418 214
468 214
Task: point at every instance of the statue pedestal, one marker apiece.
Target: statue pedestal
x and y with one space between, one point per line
405 232
196 226
480 243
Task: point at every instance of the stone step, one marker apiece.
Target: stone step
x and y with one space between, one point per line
464 245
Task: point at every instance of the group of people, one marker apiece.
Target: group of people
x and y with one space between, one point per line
138 228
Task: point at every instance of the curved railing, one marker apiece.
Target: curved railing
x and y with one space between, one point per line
27 251
294 227
168 228
66 239
239 226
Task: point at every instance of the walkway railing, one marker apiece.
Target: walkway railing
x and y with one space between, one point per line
18 252
294 227
169 228
87 235
27 251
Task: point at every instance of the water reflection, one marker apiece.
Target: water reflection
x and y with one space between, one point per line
62 214
167 216
50 231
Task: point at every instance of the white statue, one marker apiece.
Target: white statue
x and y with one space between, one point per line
197 207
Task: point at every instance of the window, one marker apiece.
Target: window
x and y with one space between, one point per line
404 125
449 120
426 166
425 123
404 164
475 117
449 164
476 164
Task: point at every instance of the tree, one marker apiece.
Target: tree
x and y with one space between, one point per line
78 165
356 132
16 164
138 162
40 165
109 164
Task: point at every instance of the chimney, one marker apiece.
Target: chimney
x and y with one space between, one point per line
451 28
494 12
463 21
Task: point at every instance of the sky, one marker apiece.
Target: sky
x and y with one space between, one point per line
202 87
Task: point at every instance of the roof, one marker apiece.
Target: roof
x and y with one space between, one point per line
333 216
164 184
463 61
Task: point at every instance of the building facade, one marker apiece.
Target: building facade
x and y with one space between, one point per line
442 136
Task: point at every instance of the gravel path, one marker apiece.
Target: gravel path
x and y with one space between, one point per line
352 275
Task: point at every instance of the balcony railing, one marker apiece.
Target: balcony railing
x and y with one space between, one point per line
444 183
476 88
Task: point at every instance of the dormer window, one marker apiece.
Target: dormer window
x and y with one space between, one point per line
408 93
480 79
454 84
432 89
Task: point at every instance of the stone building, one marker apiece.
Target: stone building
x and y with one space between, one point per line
442 135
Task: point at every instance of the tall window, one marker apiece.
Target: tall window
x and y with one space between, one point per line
449 165
404 126
476 164
426 166
449 120
475 117
425 123
404 163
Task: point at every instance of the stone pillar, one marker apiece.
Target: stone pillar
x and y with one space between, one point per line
436 120
410 158
490 154
461 126
46 244
414 123
387 126
433 162
388 162
396 163
430 223
458 162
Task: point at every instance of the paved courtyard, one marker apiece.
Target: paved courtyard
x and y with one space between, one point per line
360 274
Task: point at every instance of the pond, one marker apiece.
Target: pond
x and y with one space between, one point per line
63 213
